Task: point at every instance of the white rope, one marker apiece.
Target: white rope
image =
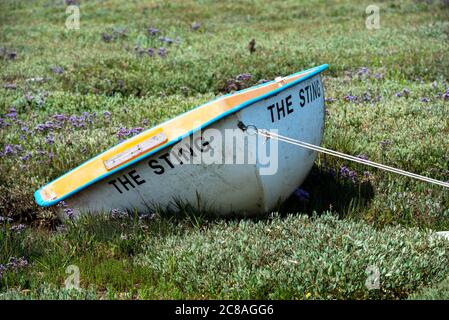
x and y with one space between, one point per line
306 145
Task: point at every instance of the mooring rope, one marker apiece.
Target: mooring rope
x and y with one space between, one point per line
272 135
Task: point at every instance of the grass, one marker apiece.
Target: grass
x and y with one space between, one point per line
389 101
291 257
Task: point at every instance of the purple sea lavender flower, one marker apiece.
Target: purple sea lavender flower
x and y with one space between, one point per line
404 93
345 172
12 55
136 130
4 123
162 52
10 86
15 264
12 113
435 85
301 194
9 149
29 97
17 228
107 114
366 96
166 40
77 122
50 139
147 216
231 86
62 204
350 98
60 117
119 214
106 37
366 175
362 72
73 119
244 77
353 176
425 99
385 144
195 26
90 117
152 31
40 127
69 212
48 125
362 156
378 76
3 269
27 156
57 70
123 132
5 219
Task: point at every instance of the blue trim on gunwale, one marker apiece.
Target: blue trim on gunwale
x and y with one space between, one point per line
313 72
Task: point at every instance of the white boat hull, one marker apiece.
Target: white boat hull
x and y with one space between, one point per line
225 188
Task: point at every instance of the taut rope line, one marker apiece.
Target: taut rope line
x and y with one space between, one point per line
272 135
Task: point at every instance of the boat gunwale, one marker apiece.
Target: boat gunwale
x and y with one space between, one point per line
309 74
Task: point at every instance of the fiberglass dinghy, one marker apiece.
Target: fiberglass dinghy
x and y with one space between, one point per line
208 156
